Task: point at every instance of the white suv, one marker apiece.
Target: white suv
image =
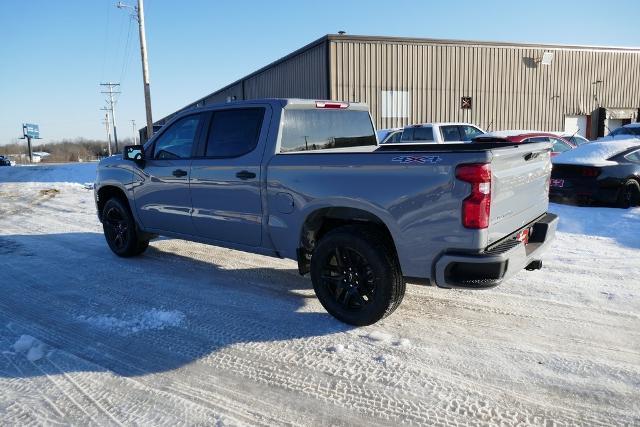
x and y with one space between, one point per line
440 133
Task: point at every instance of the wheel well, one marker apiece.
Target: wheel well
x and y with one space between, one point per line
107 192
324 220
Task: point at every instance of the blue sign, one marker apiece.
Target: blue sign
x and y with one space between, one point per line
31 130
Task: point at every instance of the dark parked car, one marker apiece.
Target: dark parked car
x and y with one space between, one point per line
4 161
603 172
559 144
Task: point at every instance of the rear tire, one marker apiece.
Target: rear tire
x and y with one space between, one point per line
356 275
120 230
629 194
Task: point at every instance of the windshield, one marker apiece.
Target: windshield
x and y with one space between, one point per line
576 139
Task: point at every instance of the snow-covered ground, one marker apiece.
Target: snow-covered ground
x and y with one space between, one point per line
193 334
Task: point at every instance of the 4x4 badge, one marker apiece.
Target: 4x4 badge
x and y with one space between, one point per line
417 159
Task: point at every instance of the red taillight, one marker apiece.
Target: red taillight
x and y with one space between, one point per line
592 172
324 104
477 206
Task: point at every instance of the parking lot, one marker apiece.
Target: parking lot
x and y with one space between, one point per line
194 334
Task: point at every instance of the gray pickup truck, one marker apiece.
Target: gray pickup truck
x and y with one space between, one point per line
306 180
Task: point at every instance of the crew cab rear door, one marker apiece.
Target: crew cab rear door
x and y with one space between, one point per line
226 177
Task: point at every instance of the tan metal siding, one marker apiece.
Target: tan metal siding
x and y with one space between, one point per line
225 94
302 76
509 87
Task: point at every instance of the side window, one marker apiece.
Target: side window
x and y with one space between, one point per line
451 133
407 134
233 133
559 146
469 132
537 139
177 140
423 133
633 157
396 137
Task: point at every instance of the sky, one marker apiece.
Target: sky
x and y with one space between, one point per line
54 54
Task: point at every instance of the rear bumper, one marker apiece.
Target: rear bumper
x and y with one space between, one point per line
489 268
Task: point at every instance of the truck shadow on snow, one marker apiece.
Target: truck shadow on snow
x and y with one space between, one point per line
90 310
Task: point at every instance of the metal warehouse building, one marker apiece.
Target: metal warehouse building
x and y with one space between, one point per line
494 85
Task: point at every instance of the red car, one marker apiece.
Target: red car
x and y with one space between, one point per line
560 144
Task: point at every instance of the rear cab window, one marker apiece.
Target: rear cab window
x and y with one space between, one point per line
323 129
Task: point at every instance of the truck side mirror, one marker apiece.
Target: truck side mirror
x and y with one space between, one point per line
134 153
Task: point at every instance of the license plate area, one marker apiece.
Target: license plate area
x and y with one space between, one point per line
524 235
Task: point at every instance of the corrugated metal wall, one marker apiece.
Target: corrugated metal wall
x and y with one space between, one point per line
509 87
302 76
224 94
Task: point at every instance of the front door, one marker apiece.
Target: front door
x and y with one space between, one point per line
162 199
225 178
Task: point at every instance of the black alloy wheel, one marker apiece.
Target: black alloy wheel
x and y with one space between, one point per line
120 229
349 278
356 274
116 227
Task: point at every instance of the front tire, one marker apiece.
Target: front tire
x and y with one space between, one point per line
356 275
629 194
120 230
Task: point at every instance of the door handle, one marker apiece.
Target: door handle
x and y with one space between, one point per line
179 173
245 175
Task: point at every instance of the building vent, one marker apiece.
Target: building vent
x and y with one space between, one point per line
395 104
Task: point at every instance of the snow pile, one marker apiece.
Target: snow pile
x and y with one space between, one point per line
34 348
595 153
379 336
338 348
144 321
403 343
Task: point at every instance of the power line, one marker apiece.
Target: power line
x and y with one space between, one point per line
111 104
107 124
106 39
125 55
138 13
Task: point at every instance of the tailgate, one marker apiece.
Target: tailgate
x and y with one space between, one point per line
519 188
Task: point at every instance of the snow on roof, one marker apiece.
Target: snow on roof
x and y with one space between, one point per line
595 153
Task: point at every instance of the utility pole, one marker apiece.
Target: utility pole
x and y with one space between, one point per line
138 14
133 128
107 123
110 86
